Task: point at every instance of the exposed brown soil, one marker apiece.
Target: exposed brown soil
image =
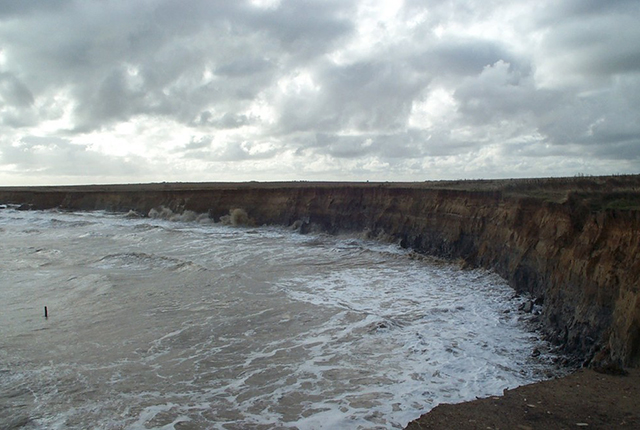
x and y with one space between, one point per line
583 400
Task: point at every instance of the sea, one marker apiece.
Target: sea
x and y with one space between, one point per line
176 322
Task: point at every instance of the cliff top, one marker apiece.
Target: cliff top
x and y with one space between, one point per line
599 192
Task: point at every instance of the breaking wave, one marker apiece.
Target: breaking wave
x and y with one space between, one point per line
186 216
143 261
156 322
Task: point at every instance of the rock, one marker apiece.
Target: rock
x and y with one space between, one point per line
526 306
603 363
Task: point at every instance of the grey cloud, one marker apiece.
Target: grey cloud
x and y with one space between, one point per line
344 146
226 121
439 143
14 92
366 96
244 66
452 58
170 44
555 12
402 145
16 103
240 151
592 38
625 149
197 144
113 99
605 47
232 151
59 157
540 149
11 8
501 93
308 27
212 67
605 123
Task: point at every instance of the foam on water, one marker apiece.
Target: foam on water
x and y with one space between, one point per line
174 325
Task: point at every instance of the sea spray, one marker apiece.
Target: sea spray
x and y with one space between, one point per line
162 322
186 216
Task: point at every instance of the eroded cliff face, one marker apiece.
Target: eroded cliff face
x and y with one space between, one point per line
582 262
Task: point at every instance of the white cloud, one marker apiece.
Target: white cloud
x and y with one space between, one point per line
284 89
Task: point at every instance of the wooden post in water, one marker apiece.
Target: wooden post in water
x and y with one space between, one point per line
46 312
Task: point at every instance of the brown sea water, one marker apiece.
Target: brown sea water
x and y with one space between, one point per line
183 325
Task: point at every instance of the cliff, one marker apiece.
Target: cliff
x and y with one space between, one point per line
572 243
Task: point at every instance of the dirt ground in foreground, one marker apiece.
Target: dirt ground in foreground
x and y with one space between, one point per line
583 400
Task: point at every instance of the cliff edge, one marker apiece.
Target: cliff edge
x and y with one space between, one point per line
572 243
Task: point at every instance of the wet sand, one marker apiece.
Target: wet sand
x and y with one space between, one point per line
585 399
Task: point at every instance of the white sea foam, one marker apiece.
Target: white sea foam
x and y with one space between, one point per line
163 323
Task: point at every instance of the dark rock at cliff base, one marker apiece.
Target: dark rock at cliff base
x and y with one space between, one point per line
611 368
526 306
603 363
25 207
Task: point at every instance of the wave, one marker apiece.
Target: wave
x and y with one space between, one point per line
144 261
186 216
58 223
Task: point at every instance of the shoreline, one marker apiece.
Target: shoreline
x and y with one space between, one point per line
568 242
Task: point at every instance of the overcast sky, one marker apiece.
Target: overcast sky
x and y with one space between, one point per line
203 90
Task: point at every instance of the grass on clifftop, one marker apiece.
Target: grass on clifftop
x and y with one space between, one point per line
621 192
618 192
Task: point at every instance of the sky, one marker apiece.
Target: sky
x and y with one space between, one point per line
339 90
